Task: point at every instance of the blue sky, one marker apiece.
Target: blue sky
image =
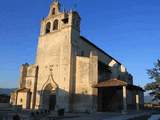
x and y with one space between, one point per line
128 30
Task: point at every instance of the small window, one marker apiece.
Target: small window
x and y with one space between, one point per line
82 53
55 25
21 100
65 21
53 11
119 77
48 26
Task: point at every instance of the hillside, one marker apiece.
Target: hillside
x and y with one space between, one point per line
6 91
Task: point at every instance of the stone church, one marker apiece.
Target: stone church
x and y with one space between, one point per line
72 73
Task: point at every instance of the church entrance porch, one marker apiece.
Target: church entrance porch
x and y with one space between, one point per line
117 95
52 102
49 98
109 99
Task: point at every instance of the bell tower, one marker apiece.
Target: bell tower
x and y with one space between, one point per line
58 19
60 31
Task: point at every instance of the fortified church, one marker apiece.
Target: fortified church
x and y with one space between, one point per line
72 73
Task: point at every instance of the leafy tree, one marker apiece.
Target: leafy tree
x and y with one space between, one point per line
154 87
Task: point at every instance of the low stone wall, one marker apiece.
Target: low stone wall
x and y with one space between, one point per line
4 105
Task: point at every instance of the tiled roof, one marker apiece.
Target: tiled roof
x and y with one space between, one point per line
111 83
23 90
116 83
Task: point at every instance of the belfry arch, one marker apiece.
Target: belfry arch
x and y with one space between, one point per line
55 25
48 27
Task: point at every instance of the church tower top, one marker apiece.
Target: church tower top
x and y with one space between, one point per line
55 2
58 20
54 8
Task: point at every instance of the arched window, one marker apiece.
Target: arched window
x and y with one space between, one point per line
55 25
48 26
53 11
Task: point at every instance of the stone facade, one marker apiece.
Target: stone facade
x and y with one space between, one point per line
66 68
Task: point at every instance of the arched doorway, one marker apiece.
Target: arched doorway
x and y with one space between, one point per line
52 101
49 97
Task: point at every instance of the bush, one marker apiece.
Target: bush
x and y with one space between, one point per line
61 112
16 117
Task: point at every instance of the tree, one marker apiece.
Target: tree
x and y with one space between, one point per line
154 87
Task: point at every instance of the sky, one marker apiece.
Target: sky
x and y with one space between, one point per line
128 30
